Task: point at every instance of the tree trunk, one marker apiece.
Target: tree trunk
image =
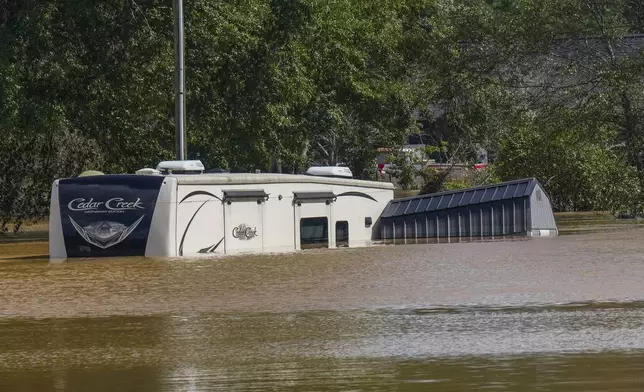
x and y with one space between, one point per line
276 165
632 137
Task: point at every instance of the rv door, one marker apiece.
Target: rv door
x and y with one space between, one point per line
244 221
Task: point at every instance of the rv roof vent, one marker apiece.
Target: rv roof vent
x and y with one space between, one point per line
88 173
148 172
330 171
180 167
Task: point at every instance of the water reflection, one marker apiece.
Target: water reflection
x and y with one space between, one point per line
583 349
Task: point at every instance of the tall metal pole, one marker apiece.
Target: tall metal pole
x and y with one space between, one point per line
180 106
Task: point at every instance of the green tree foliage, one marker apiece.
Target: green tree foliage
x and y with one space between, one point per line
91 83
579 173
284 84
301 82
403 169
437 180
528 60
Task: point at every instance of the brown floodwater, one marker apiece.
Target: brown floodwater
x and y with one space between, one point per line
543 314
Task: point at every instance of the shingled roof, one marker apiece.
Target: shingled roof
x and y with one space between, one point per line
460 198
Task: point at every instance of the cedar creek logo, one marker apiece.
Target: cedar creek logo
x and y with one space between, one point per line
114 205
244 232
104 233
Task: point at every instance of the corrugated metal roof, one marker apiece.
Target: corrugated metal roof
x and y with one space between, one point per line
460 198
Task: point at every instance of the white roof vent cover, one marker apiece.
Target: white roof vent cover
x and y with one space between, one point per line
180 166
330 171
146 171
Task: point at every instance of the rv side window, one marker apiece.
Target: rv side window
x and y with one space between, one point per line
314 233
342 233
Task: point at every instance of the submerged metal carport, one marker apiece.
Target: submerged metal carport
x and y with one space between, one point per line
510 208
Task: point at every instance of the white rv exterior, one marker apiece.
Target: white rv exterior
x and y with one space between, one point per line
190 215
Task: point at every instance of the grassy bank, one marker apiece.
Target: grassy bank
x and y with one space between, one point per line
30 242
28 232
593 222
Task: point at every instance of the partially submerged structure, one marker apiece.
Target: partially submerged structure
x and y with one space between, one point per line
167 212
511 208
178 210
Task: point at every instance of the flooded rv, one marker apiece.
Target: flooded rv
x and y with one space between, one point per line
177 210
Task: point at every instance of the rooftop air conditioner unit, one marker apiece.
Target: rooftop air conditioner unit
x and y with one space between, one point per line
330 171
181 167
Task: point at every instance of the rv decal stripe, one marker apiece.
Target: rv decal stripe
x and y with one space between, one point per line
183 237
130 229
80 230
212 248
196 193
358 194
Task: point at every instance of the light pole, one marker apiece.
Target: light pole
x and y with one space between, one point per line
179 99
